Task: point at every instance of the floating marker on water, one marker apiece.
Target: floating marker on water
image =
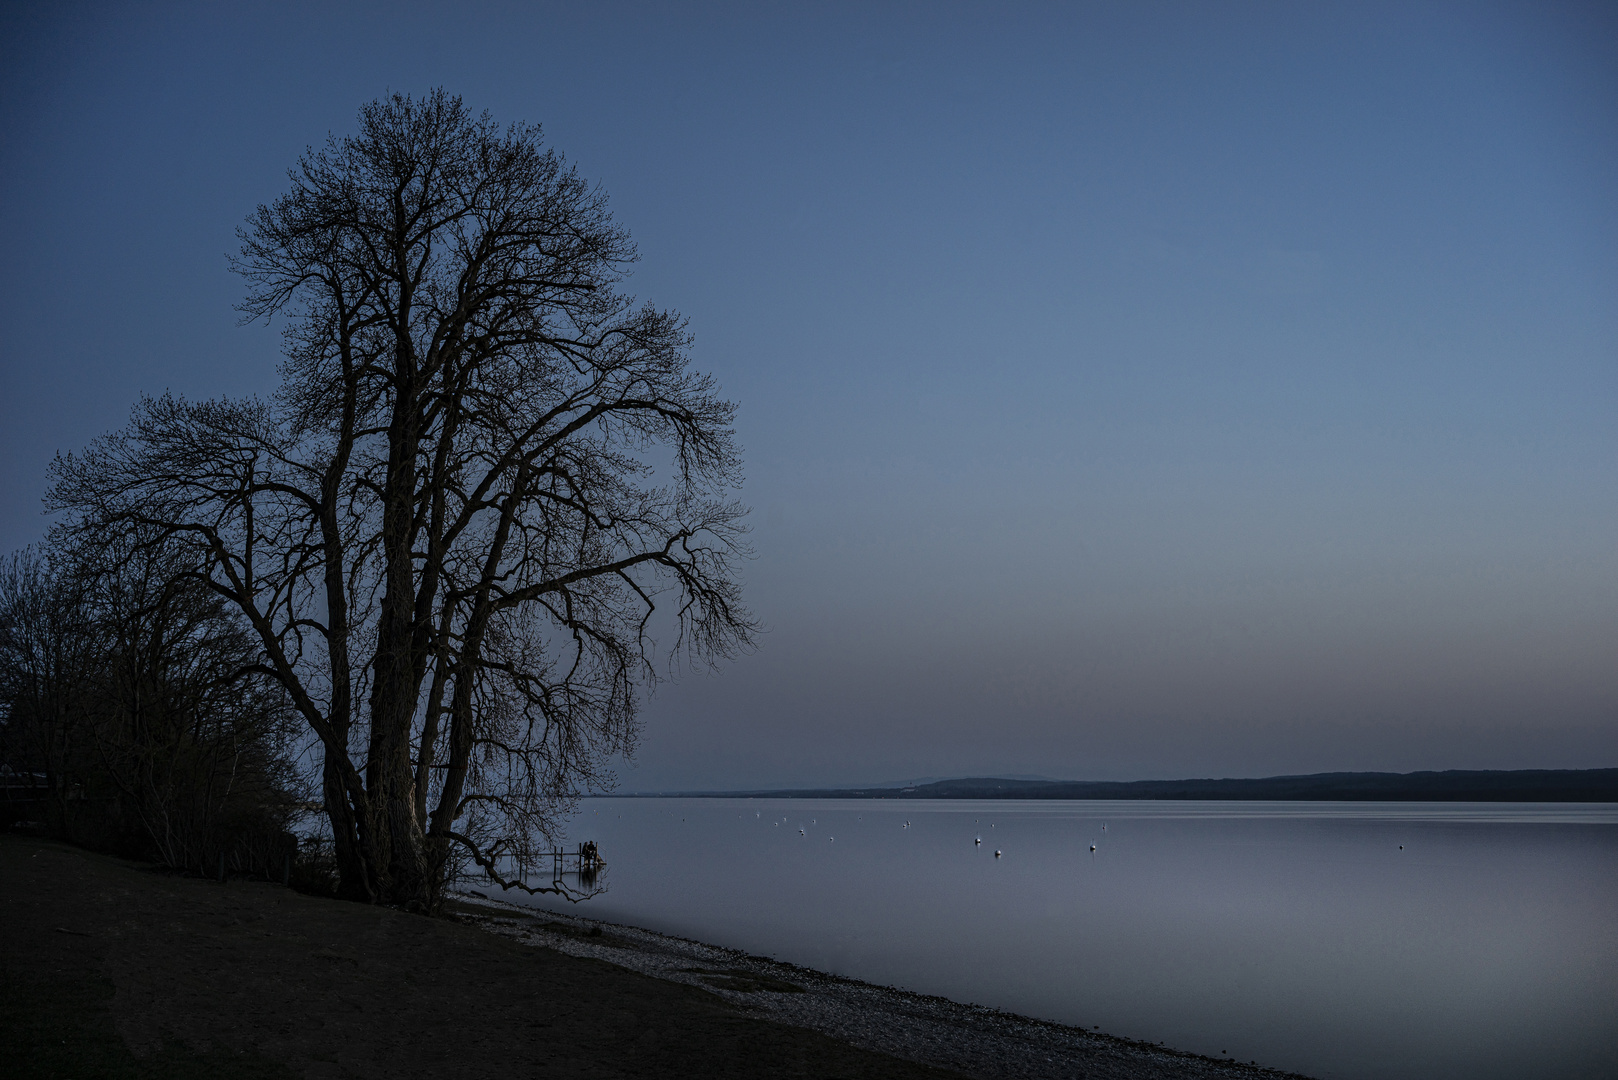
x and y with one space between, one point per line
1092 847
997 854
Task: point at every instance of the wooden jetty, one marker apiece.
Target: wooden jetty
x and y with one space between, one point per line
585 862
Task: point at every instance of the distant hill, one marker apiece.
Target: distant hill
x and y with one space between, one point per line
1520 785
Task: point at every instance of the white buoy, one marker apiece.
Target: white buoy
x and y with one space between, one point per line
979 840
1092 847
997 854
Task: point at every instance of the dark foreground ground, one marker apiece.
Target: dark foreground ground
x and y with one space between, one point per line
110 970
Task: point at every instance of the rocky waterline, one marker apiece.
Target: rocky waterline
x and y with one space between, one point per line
971 1039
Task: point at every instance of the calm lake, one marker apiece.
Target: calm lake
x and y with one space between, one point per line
1300 935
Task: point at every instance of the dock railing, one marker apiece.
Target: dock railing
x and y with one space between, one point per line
585 862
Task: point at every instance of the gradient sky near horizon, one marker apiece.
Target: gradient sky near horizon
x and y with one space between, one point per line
1128 390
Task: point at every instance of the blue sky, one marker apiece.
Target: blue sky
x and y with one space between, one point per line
1128 390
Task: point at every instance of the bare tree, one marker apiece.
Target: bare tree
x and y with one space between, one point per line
132 688
187 730
50 654
450 530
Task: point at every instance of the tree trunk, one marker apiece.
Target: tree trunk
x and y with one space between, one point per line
398 864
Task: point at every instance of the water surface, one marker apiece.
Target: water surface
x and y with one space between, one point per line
1342 940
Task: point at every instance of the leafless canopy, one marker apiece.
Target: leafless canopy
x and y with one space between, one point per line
486 469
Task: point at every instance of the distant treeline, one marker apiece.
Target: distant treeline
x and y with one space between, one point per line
1519 785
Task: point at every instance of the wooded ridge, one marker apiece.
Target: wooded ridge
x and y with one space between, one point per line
1453 785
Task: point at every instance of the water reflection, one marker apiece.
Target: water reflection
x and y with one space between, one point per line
1341 940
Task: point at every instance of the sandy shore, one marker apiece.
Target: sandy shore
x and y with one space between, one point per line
109 969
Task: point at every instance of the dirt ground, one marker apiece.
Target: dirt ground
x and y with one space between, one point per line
110 970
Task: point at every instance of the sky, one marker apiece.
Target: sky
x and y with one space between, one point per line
1127 390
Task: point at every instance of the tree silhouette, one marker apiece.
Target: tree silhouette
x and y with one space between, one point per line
487 477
